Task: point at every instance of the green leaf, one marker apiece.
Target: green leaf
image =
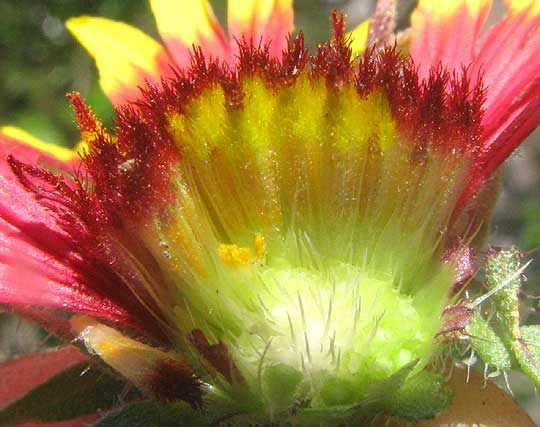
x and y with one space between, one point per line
503 273
504 276
530 337
422 396
336 415
75 392
147 413
155 414
380 392
488 345
411 395
281 382
407 394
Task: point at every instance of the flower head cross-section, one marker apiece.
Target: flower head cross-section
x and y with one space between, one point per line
281 231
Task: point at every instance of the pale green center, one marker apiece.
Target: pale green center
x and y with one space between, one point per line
302 325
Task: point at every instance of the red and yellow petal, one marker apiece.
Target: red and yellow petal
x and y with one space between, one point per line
185 24
446 31
124 55
30 149
508 57
265 21
530 7
509 63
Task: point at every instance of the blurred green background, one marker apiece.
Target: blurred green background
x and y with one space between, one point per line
40 62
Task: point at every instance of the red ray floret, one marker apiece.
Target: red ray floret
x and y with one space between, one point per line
502 136
505 58
82 253
295 59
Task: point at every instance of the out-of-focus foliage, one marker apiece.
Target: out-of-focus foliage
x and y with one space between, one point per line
41 62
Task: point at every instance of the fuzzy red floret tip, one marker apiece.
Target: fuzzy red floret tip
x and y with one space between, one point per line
174 380
333 58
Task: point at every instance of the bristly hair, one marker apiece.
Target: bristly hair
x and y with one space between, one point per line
333 59
174 380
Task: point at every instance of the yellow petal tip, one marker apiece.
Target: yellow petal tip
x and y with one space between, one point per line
61 153
124 55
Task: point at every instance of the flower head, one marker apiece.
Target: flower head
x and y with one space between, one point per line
277 230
